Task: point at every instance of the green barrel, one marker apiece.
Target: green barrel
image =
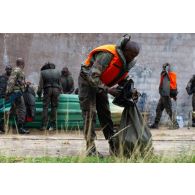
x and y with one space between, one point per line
69 115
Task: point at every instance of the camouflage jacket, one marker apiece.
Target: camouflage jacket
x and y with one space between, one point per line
16 81
92 74
100 62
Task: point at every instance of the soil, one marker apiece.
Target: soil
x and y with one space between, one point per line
71 143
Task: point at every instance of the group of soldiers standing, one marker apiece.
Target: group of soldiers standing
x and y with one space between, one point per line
52 83
105 67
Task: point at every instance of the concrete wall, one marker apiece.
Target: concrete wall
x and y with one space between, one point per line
71 50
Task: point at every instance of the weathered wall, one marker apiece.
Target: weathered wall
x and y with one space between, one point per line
71 50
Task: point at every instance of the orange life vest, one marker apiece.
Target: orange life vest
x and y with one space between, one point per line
172 77
115 71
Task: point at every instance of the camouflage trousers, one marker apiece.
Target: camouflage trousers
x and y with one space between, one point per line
50 96
90 102
19 110
163 103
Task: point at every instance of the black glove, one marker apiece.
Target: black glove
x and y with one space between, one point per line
135 95
175 98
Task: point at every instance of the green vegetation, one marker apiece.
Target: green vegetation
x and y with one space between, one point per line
79 159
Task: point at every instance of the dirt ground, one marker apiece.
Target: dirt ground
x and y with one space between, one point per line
61 143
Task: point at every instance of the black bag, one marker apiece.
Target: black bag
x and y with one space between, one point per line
133 136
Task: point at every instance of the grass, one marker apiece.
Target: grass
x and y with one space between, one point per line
151 159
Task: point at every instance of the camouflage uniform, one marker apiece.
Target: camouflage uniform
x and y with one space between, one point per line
93 96
16 84
67 83
93 93
50 84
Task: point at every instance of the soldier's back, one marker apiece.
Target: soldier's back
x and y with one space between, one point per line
3 84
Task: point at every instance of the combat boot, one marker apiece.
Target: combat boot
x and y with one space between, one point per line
175 125
2 126
22 130
2 131
154 126
193 119
52 127
193 122
43 128
92 151
113 146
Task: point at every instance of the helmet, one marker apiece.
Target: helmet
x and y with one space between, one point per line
121 43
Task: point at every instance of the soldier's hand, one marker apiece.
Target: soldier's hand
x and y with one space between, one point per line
135 94
113 91
175 98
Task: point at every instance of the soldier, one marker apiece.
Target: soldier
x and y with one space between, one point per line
3 80
191 91
167 90
104 67
3 84
15 88
67 81
49 83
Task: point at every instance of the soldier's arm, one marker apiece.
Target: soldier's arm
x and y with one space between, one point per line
61 87
101 62
71 81
11 82
40 87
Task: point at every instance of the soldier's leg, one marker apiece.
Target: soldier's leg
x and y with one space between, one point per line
20 110
2 124
104 114
159 111
87 98
54 105
168 107
193 113
46 103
